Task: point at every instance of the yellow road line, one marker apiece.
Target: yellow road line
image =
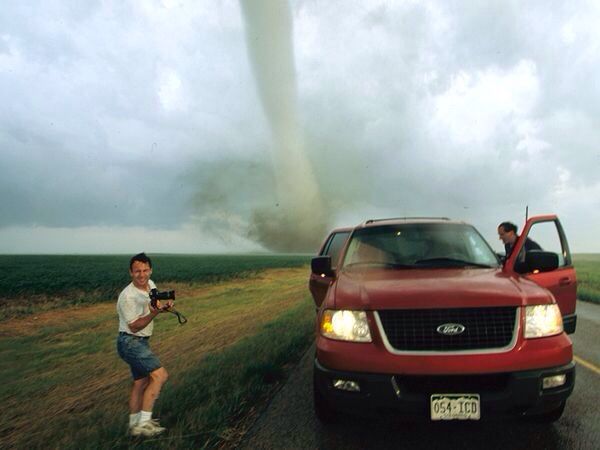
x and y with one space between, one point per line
587 364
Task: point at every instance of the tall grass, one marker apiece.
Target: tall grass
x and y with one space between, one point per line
588 276
237 379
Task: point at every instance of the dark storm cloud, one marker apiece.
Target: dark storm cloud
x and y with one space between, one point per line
495 59
70 189
84 136
466 109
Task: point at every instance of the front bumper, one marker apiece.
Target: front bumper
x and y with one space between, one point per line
501 394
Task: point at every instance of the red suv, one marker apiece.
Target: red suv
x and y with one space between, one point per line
421 317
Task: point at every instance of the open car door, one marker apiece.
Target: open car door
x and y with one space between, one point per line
559 276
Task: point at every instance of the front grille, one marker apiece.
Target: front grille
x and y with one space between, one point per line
416 329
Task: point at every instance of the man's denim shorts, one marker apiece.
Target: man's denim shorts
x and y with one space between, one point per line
136 352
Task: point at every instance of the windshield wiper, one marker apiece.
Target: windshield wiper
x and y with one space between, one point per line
450 261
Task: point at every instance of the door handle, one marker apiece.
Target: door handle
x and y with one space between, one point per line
564 281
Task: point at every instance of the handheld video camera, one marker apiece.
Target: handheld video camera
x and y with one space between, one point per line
155 295
166 295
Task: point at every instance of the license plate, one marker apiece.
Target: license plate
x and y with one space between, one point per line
455 407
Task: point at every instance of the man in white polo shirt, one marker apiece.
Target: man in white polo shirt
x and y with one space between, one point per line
135 328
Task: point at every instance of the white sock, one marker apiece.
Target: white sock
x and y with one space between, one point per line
133 419
145 416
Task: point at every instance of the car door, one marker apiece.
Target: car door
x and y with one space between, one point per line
548 233
333 245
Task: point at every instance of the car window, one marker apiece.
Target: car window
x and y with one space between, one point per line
335 245
543 236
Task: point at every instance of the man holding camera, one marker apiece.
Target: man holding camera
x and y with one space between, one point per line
136 314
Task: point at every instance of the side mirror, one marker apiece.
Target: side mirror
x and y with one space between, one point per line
501 257
321 266
540 261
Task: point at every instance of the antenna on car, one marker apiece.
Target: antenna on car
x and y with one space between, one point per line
526 213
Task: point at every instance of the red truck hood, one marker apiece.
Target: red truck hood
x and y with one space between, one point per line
434 288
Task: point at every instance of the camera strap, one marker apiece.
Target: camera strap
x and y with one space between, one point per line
180 317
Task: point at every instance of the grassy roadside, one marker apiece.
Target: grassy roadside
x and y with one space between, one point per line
235 380
588 276
64 386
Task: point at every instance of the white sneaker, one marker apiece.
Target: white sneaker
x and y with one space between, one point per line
147 429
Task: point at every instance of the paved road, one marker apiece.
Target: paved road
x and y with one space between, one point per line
289 422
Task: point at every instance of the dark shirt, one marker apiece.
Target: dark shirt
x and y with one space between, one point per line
529 245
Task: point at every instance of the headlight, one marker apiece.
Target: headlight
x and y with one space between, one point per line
345 325
542 320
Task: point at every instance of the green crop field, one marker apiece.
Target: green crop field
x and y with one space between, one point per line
30 283
588 276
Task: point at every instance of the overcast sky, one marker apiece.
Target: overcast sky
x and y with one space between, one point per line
137 125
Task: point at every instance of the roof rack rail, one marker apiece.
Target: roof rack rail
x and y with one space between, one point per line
406 218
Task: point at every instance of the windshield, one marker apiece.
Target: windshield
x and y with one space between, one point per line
418 245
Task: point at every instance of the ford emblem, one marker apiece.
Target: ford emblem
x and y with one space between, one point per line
450 329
